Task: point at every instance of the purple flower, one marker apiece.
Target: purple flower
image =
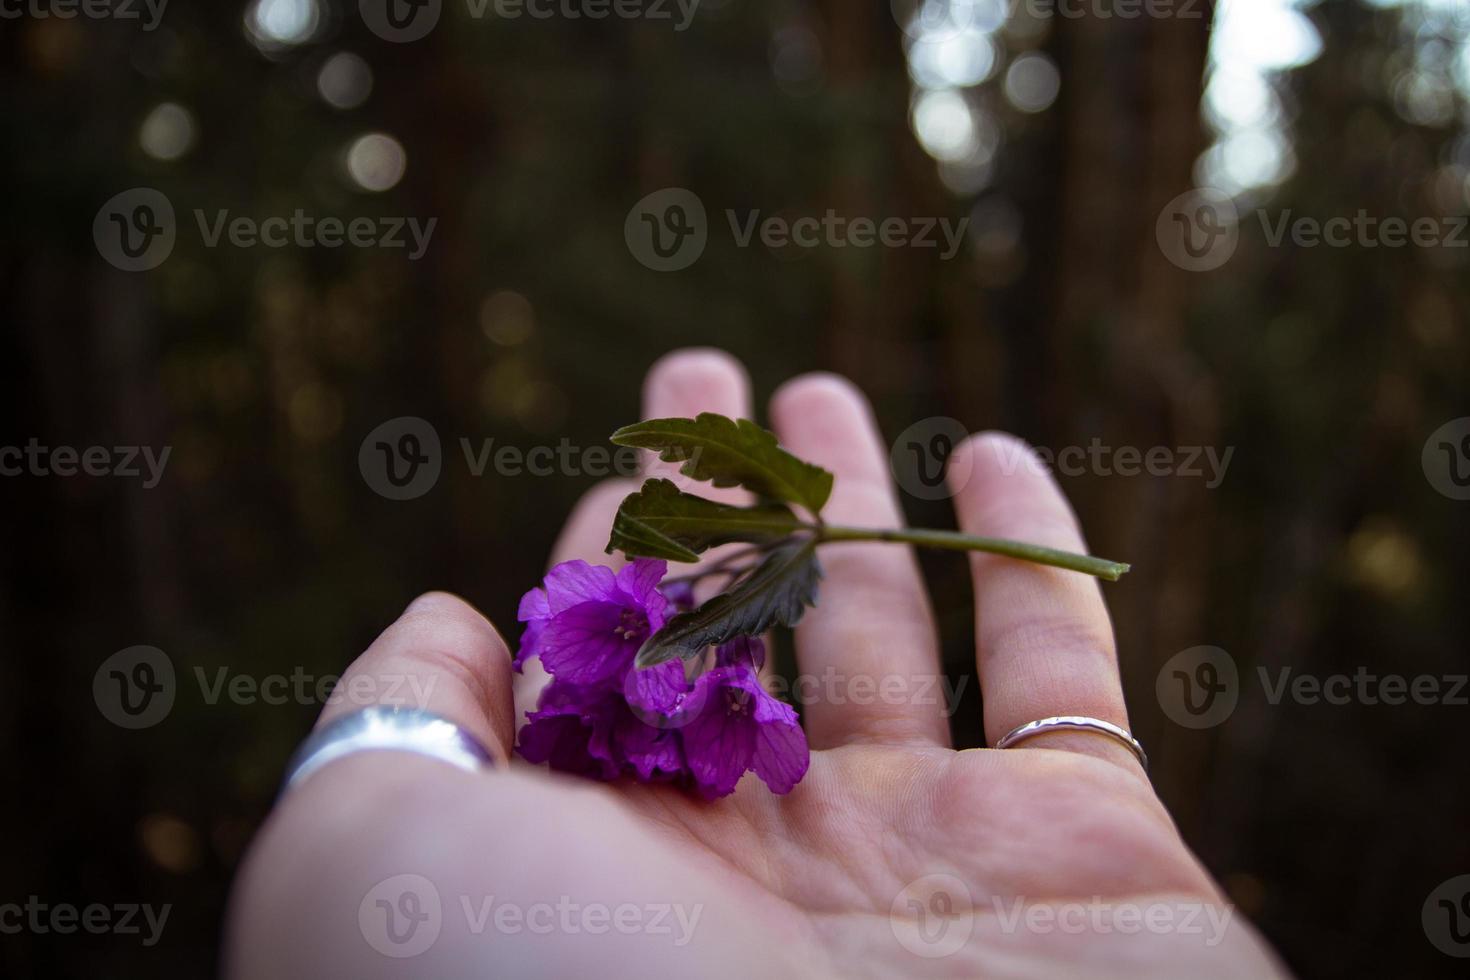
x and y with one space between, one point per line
740 727
591 731
680 593
651 753
661 689
561 730
743 651
535 610
601 718
588 622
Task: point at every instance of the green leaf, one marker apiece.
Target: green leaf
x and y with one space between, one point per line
661 521
777 591
731 453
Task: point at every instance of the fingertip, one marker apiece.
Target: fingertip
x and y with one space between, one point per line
689 380
441 610
821 397
991 454
1003 487
439 602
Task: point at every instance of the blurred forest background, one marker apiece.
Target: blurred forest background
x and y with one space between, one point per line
264 551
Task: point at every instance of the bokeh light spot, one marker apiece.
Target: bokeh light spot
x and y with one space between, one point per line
345 81
1032 82
376 162
167 132
274 24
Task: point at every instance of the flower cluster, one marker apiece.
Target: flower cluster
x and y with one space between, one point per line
601 717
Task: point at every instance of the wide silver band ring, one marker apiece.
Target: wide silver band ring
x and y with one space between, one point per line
1076 723
396 729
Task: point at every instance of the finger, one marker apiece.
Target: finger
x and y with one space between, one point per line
867 651
1043 640
583 537
681 385
440 655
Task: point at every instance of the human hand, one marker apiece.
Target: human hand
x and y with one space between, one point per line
895 855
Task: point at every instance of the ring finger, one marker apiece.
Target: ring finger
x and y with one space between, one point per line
1044 643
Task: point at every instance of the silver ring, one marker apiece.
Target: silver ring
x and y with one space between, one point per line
1076 723
397 729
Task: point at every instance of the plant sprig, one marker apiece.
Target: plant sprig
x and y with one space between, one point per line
780 581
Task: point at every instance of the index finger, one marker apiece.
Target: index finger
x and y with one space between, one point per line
440 655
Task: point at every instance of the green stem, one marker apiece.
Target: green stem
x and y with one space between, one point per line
955 541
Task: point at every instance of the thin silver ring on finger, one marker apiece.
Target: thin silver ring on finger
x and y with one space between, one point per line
387 728
1074 723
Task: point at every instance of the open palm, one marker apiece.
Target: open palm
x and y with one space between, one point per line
895 856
